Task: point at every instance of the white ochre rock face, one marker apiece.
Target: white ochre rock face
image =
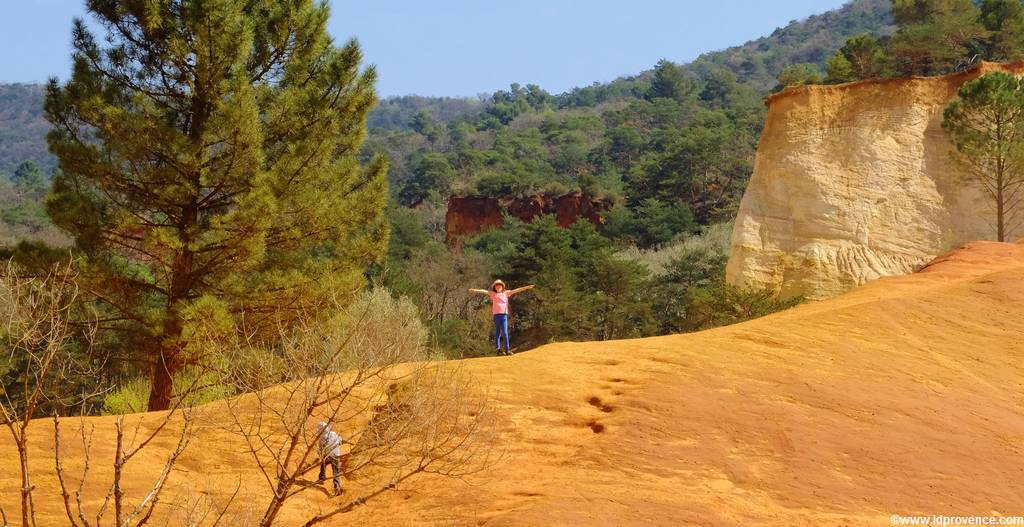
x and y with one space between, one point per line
854 182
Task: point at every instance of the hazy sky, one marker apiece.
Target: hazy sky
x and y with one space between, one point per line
465 47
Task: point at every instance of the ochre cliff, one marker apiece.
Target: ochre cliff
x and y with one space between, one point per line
471 215
854 182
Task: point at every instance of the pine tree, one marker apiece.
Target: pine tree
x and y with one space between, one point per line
861 58
799 75
210 172
934 35
670 82
423 124
29 180
987 126
839 69
1005 19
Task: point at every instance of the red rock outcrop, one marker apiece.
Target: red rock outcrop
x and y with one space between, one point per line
472 215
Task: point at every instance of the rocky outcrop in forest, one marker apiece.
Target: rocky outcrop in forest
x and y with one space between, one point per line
472 215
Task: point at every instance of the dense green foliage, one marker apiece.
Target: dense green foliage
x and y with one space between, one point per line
395 113
672 146
933 37
1004 19
986 124
681 149
22 207
209 173
758 63
861 58
588 288
23 128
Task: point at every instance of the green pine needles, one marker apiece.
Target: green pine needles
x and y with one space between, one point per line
210 175
986 123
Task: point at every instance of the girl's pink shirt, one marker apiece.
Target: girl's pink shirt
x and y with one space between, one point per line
499 302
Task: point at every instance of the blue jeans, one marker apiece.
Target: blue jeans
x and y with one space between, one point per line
501 329
335 463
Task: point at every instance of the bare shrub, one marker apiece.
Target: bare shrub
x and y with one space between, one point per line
400 415
45 356
129 442
365 371
376 327
438 286
36 332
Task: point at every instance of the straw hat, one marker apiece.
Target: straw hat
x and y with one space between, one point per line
496 282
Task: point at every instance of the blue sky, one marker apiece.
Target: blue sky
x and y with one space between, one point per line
466 47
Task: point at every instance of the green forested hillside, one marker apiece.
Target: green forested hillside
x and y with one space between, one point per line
22 127
758 63
672 138
397 113
933 37
672 146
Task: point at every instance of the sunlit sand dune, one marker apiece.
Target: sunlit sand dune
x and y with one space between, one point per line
905 396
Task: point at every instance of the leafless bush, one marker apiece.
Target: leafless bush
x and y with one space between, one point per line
441 277
36 332
129 442
365 371
46 342
439 288
400 415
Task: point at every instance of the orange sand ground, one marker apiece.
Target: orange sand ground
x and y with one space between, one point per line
905 396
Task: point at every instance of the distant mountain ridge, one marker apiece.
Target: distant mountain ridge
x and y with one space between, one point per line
758 63
22 127
755 63
813 40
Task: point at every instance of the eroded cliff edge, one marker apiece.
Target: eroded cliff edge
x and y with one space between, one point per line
854 182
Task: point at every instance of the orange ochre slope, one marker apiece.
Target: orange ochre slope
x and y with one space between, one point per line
905 396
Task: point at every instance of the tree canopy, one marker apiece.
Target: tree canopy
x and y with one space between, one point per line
934 37
209 171
986 123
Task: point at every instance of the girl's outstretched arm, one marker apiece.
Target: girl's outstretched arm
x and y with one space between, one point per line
520 290
481 291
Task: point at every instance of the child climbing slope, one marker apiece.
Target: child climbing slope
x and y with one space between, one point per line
499 308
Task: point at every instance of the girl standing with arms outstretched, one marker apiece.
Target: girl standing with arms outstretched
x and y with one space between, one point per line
499 308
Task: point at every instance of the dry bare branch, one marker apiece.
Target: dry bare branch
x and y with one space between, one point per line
58 466
36 317
142 512
366 374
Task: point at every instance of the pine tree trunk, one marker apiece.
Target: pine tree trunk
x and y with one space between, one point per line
1000 209
162 385
168 360
169 346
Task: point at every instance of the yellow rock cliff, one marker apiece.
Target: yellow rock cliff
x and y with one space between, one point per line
854 182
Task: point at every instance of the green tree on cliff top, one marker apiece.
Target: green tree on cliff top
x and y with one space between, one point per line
210 173
1005 20
863 57
934 35
987 127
